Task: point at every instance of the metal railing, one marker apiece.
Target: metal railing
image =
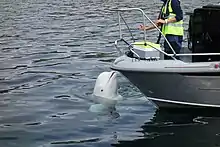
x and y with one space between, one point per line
145 36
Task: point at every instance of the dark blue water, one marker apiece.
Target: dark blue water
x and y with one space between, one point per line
51 53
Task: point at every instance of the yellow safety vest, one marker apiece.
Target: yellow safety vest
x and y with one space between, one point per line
175 28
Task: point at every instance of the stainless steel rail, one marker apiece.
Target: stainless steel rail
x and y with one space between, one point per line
144 23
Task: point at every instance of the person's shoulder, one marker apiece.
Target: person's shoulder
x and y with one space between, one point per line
175 2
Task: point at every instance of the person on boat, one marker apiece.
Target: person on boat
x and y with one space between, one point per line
171 22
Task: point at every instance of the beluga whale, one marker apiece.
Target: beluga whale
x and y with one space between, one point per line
105 93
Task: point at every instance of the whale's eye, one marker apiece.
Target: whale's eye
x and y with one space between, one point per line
101 90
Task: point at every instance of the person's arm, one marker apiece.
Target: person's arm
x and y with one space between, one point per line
146 28
175 4
170 20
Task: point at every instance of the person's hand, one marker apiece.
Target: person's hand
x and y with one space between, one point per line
142 27
160 21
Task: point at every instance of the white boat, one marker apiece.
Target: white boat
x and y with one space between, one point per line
176 83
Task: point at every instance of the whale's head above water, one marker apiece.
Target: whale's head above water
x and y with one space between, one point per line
106 93
106 88
106 85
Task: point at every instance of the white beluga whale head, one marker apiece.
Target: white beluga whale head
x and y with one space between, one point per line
106 85
106 90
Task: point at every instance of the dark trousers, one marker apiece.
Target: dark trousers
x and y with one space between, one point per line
175 42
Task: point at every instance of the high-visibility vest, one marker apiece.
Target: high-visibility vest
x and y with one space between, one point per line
175 28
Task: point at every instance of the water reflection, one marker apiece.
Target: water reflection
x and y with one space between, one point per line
183 128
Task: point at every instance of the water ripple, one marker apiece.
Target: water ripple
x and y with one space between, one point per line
77 141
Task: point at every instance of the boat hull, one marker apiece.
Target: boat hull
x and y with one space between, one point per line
177 89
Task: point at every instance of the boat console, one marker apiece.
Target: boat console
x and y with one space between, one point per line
204 33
